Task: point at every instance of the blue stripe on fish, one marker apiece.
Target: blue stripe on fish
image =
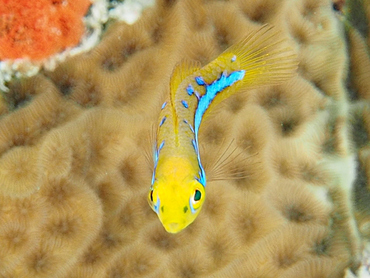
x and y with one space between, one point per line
191 207
153 176
156 155
161 146
163 105
211 92
155 165
202 174
191 128
194 145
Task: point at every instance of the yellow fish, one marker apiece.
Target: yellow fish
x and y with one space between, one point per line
178 185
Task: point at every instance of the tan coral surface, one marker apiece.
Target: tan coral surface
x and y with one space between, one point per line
74 144
358 30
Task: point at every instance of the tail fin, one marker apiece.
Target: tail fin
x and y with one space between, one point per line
264 56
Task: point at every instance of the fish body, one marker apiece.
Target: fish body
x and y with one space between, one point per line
178 185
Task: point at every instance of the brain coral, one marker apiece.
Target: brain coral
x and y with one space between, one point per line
73 142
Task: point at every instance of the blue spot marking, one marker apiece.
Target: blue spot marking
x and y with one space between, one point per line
184 103
200 81
164 105
153 176
190 89
191 207
233 59
156 205
162 121
191 128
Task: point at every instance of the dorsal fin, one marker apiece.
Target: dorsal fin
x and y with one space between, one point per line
182 70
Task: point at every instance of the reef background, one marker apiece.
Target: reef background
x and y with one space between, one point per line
74 175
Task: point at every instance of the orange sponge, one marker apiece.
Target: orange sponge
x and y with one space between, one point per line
38 29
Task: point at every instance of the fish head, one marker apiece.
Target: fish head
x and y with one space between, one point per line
176 195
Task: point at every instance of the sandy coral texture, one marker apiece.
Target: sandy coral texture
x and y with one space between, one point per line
73 143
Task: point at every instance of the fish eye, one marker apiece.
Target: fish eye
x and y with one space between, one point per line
195 200
197 195
151 195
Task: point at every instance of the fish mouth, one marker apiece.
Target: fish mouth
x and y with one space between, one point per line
174 227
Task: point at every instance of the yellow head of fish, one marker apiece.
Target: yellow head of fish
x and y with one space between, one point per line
177 195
